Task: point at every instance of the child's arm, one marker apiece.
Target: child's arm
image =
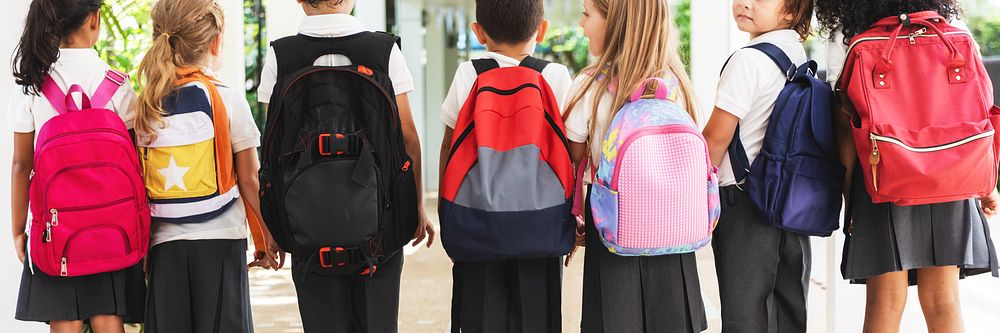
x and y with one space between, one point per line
445 152
20 173
577 151
247 167
412 142
845 139
719 133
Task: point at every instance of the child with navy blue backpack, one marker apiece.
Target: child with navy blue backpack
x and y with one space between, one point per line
763 271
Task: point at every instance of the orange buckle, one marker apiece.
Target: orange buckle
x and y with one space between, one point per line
325 151
323 252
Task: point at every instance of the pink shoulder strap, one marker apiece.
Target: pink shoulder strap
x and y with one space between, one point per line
63 102
578 196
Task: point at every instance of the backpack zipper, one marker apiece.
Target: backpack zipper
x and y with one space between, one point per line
65 254
54 221
269 136
911 37
875 158
80 166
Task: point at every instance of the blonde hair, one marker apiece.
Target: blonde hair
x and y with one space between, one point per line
183 33
641 42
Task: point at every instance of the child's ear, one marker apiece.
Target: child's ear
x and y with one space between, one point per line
542 29
94 20
481 35
216 47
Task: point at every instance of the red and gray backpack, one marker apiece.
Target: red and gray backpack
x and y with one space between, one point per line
507 186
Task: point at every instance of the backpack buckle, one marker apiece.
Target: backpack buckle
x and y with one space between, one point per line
116 77
338 144
330 257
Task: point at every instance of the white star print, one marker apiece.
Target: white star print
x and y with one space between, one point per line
174 175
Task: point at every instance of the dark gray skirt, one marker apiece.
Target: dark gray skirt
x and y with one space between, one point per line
46 298
199 286
639 294
515 295
883 238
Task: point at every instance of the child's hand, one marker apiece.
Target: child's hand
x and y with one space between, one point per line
424 230
989 203
20 243
581 240
270 258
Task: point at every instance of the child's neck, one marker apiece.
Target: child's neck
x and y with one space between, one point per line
758 34
325 10
516 51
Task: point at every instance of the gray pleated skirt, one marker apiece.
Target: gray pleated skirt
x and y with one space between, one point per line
884 238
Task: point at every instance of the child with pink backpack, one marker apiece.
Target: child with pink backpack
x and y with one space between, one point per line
653 198
75 166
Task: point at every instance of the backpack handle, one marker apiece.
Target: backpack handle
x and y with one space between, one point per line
84 99
661 89
884 65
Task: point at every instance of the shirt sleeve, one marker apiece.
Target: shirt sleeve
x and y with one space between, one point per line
578 122
19 115
243 131
559 80
124 102
399 73
268 77
461 85
739 83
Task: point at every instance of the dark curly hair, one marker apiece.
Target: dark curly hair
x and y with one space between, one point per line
852 17
316 3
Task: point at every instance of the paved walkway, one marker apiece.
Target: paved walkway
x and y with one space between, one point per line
425 301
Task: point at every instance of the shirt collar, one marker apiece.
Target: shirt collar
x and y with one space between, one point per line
77 55
777 35
330 25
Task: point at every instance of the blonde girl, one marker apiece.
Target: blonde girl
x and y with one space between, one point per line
633 40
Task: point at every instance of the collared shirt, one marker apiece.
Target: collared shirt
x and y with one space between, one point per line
331 26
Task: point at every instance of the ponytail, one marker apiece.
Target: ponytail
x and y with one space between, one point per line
47 24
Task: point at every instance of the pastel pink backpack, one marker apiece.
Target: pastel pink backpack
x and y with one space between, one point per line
88 201
655 191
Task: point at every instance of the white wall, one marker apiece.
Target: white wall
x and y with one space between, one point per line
10 269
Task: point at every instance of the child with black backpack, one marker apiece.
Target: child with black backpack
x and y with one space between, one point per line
504 175
341 189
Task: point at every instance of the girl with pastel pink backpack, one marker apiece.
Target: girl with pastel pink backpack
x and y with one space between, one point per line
75 166
649 203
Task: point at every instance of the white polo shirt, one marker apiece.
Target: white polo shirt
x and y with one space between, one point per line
749 88
556 75
331 26
27 113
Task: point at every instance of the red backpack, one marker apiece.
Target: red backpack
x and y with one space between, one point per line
924 126
506 191
89 212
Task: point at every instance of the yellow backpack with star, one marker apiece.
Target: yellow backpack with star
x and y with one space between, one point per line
188 167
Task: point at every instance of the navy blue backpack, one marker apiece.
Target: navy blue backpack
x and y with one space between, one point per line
796 182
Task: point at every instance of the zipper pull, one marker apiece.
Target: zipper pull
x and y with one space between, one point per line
55 217
62 271
48 232
915 34
874 160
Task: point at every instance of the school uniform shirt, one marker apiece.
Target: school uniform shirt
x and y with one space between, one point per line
556 75
749 88
331 26
578 123
231 224
27 113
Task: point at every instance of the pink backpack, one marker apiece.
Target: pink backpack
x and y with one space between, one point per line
88 202
655 190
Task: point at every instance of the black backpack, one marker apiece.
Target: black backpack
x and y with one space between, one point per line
338 190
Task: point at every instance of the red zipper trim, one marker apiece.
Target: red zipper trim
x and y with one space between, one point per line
666 129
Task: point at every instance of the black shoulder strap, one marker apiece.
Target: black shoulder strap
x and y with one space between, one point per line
534 63
484 65
370 49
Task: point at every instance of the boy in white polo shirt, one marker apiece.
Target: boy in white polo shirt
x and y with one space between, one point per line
763 271
334 304
521 293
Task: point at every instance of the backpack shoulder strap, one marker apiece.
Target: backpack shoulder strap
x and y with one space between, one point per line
534 63
484 65
112 81
54 95
778 56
